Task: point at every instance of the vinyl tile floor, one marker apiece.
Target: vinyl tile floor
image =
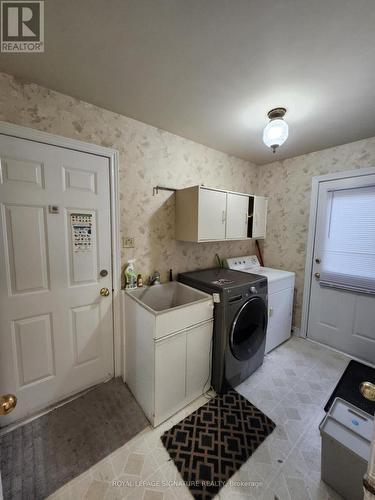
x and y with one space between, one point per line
291 387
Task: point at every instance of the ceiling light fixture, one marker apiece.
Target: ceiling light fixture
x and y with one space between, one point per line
276 131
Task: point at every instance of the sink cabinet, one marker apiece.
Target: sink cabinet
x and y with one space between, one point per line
181 369
167 354
206 214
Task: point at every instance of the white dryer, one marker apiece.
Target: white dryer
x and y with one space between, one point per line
280 297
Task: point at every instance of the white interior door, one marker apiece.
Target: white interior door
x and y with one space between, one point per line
342 300
237 215
56 330
212 210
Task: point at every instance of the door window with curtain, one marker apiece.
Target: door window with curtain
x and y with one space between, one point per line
348 257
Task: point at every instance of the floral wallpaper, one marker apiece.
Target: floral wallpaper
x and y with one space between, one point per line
288 185
148 156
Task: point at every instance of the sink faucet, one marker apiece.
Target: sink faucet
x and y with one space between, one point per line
154 279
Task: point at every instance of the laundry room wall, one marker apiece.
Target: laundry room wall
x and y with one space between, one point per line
148 156
288 185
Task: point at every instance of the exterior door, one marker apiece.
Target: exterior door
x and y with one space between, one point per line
237 215
56 330
212 210
342 300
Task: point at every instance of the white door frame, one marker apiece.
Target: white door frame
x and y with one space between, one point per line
312 231
54 140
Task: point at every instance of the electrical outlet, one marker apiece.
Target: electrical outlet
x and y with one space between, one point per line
128 242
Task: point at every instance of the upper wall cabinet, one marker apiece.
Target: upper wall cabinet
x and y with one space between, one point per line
205 214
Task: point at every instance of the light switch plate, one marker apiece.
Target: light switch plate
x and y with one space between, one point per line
128 242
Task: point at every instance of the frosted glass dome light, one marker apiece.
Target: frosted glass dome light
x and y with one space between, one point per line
276 131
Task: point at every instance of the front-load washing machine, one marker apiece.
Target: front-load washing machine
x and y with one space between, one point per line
240 322
280 297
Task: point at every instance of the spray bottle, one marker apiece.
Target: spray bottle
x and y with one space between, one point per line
130 276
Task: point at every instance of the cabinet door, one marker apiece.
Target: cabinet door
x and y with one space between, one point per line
198 360
211 214
170 373
279 327
259 217
237 216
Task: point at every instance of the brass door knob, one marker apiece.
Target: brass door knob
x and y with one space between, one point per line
317 276
104 292
7 403
367 389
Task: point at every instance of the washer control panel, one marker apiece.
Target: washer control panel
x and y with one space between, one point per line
245 262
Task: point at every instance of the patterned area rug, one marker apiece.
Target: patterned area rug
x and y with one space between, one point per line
39 457
212 443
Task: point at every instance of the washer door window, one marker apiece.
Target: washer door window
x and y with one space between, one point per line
248 329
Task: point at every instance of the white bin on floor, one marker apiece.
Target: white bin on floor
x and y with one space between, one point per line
346 440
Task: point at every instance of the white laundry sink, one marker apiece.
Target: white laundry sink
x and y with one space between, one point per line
161 298
172 305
